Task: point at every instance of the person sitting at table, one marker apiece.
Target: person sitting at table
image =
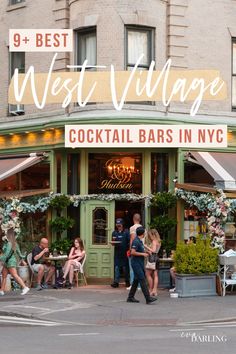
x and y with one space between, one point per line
172 274
75 257
40 265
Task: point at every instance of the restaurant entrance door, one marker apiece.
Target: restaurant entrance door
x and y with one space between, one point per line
97 224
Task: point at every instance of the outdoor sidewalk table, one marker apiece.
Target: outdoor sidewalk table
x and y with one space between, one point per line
56 260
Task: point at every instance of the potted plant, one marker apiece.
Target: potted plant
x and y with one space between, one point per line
61 223
60 202
61 246
196 266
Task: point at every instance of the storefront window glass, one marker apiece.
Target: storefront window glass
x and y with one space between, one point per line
58 157
34 177
194 173
195 224
100 219
74 213
73 174
159 167
115 173
33 228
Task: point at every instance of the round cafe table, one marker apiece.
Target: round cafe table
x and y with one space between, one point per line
56 260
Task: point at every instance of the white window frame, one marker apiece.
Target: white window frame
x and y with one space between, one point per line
15 109
15 2
151 49
151 52
233 73
81 33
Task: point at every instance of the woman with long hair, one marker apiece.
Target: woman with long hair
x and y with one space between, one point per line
154 245
75 257
10 257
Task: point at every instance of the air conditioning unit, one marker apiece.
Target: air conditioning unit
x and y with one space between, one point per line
16 109
14 2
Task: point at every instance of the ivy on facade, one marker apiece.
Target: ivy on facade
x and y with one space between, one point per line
10 210
218 208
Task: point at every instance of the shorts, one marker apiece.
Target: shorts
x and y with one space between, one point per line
36 266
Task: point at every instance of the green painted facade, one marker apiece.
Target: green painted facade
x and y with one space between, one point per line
99 264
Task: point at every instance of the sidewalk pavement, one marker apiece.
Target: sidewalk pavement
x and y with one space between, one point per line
103 305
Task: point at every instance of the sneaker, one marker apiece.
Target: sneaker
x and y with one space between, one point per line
69 286
172 290
150 300
132 299
1 293
131 286
25 291
61 281
39 287
114 285
44 286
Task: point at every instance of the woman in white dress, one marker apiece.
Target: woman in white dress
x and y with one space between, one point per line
76 255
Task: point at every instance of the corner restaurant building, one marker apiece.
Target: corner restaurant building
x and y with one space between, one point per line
35 161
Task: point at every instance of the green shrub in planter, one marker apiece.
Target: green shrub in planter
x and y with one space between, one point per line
199 258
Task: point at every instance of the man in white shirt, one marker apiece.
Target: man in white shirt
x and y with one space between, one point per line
132 231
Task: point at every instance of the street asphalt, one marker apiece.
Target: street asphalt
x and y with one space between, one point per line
97 319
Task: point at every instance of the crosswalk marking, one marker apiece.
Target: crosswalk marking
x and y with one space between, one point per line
27 321
77 334
188 329
222 325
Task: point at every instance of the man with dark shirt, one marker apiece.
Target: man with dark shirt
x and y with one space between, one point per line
39 264
137 261
120 257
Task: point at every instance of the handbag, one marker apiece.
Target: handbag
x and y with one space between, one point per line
151 265
152 260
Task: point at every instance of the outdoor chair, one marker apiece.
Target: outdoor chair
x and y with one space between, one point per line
29 259
78 271
33 273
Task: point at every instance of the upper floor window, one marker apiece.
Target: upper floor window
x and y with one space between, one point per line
234 75
86 47
14 2
139 40
17 61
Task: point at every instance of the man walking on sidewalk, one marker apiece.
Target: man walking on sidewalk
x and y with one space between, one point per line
137 261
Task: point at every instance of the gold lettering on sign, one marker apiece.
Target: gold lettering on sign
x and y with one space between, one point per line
107 184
